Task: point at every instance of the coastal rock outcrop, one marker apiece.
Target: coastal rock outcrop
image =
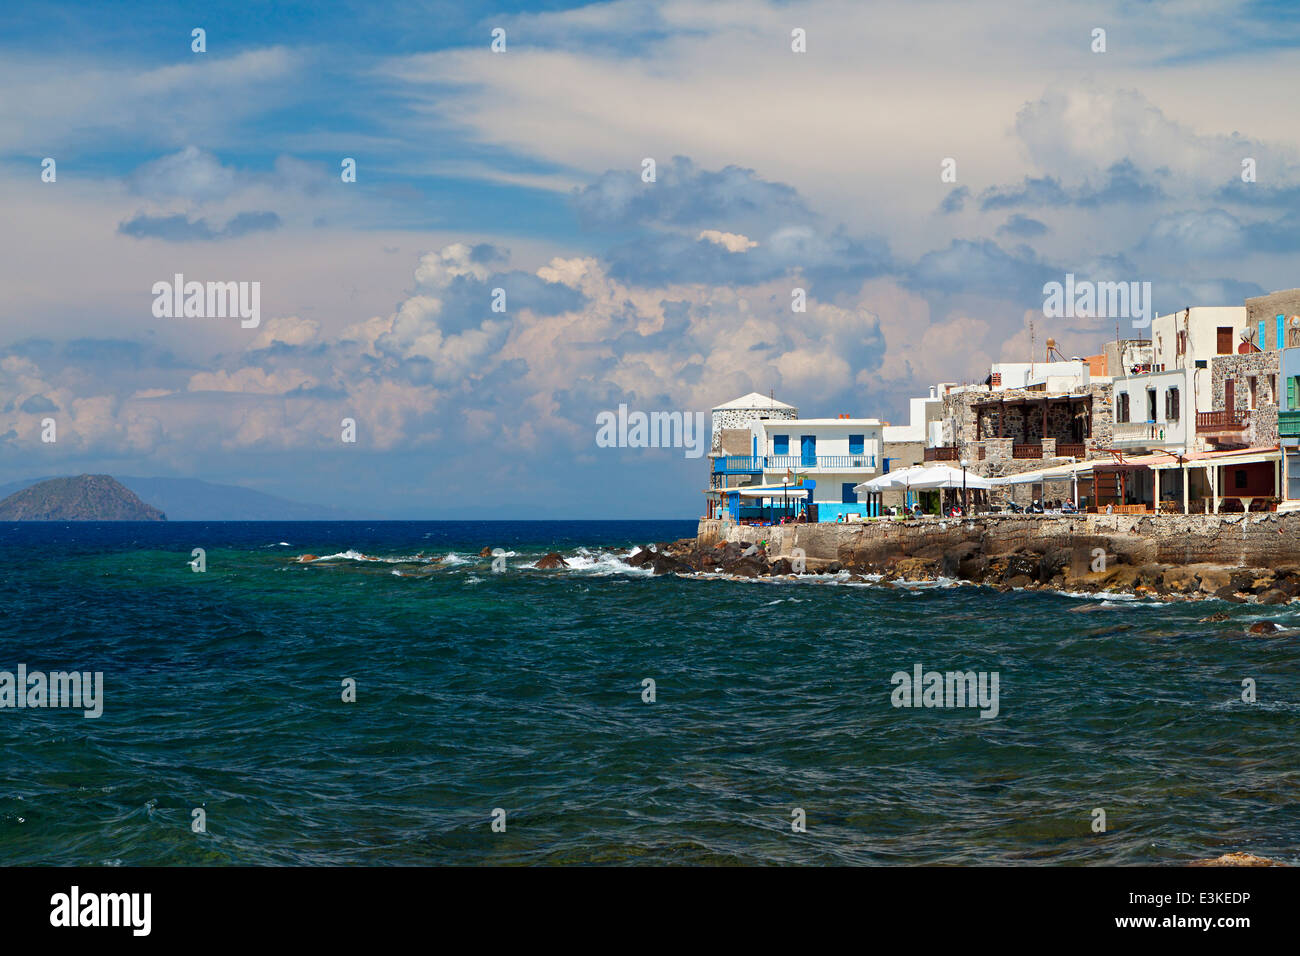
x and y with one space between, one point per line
1238 859
548 562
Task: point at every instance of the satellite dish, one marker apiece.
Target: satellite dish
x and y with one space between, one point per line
1246 335
1295 321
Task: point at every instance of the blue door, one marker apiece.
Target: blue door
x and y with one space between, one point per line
808 451
847 495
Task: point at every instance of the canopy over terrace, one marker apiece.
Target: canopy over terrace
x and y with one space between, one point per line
1207 490
1256 476
781 500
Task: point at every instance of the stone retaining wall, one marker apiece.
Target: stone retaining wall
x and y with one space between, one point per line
1259 540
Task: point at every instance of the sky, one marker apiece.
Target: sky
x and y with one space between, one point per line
522 170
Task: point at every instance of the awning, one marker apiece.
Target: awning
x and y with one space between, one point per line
1056 473
777 492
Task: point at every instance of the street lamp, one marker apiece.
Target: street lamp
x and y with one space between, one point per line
965 498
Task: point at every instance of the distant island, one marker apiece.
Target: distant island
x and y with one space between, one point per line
84 498
192 499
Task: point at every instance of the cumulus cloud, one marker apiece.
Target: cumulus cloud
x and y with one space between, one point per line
730 241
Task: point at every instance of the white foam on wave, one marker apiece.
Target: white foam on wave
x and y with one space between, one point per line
603 563
354 555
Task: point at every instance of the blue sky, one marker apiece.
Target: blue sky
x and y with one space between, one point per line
521 170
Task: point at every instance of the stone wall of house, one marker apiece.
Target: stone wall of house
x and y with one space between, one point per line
743 417
959 409
1263 367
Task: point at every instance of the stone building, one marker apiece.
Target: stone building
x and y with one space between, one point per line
1244 390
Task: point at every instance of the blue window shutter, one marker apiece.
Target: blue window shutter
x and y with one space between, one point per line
1263 335
1281 332
780 444
856 443
1290 393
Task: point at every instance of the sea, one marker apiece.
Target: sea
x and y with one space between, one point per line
398 700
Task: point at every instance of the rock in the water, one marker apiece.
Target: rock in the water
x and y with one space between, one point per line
1272 596
641 558
1264 627
1085 608
551 561
667 564
485 553
1227 593
1238 859
951 562
1214 618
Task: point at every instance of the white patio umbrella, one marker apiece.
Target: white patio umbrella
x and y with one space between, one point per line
945 476
891 481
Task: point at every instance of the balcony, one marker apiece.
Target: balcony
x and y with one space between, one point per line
819 462
1140 432
1071 450
941 453
737 465
1288 424
1233 419
1026 451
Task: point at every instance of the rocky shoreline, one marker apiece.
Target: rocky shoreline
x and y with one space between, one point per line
1075 570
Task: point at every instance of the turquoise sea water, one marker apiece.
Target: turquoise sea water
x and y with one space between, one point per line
522 690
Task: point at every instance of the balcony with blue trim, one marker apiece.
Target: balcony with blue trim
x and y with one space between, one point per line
738 465
756 465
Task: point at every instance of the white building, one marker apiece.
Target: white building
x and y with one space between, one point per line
1155 406
838 453
1050 376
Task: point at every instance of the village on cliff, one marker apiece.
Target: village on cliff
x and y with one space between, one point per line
1201 417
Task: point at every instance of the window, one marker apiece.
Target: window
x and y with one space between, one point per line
1225 339
1239 478
1121 407
1254 391
856 443
1171 405
1272 389
780 444
1151 404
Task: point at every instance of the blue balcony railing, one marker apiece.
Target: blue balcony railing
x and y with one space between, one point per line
738 465
747 464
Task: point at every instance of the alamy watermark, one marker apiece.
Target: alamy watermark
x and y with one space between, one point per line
77 690
923 688
624 429
211 300
1098 300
